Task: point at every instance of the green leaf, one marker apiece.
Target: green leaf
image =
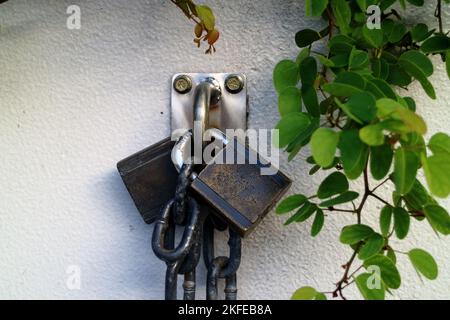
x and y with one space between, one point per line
315 7
325 61
314 169
417 3
380 68
384 4
302 138
360 107
385 220
438 218
343 14
411 103
380 161
335 183
354 153
341 45
286 74
290 203
397 33
419 60
437 174
304 293
372 134
310 100
308 71
340 199
363 4
307 212
306 37
401 222
373 245
391 255
318 222
289 100
382 87
389 273
373 37
323 146
302 55
419 32
440 144
420 67
354 233
291 126
346 84
406 164
417 198
320 296
436 44
206 15
362 282
340 60
302 214
424 263
398 76
388 108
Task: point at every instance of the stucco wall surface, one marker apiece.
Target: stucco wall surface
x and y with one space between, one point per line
74 102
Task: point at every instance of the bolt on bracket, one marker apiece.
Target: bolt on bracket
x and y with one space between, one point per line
229 112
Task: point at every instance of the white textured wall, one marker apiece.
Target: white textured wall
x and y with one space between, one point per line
73 103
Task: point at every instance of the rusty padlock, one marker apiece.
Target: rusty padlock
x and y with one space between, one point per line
150 178
236 192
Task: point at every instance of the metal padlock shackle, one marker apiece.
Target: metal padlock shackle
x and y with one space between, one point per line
179 151
207 93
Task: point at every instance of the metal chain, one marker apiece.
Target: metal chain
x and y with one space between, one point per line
221 267
183 210
184 258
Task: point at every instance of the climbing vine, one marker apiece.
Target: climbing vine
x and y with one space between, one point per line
349 103
204 20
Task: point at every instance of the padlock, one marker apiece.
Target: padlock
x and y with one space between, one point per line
237 193
150 177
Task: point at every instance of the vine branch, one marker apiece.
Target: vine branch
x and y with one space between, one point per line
438 15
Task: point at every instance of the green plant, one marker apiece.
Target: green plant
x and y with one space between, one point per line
363 126
203 16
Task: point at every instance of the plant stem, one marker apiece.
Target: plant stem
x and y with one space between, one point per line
339 210
356 270
383 182
189 16
380 199
438 15
344 282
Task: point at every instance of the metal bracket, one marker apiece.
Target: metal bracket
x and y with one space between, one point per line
231 112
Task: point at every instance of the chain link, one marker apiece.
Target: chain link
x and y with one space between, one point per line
183 210
221 267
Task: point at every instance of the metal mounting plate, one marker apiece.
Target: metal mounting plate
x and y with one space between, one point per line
230 112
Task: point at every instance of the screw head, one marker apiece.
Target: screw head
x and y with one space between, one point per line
182 84
234 83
